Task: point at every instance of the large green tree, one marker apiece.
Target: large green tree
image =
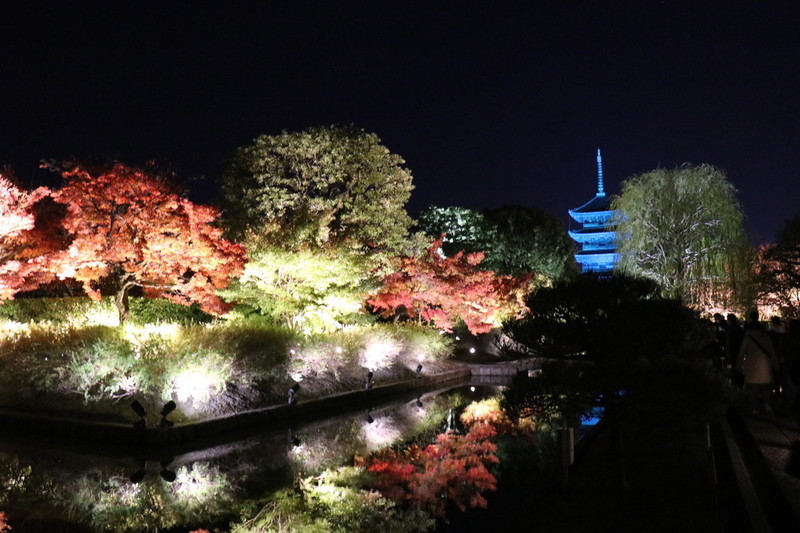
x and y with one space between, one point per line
325 186
683 228
515 240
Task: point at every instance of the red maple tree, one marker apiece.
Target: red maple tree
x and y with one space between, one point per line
455 469
130 228
21 241
440 290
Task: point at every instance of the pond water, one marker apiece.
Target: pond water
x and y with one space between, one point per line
46 487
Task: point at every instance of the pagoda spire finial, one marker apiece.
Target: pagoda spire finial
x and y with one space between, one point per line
600 191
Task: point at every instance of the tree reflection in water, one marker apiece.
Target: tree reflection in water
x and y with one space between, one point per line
207 488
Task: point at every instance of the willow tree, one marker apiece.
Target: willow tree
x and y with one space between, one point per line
683 228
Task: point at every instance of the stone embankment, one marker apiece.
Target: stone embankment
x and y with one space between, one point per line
60 429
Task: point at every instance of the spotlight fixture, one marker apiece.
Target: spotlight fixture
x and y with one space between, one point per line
419 370
139 410
293 393
370 420
167 409
368 380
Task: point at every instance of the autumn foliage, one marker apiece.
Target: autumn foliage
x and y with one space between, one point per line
129 228
454 469
20 242
440 290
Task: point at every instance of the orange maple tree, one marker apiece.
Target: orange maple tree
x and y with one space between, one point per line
455 469
440 290
130 228
21 242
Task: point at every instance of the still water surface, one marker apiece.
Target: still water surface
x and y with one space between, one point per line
46 486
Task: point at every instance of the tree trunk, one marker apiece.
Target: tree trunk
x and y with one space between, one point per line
126 283
121 301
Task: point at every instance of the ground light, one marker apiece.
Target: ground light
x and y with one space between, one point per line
292 394
368 380
419 370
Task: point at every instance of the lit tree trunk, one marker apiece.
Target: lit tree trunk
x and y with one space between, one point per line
121 297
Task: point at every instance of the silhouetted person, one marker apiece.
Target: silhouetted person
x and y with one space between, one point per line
777 332
733 340
758 363
720 339
791 361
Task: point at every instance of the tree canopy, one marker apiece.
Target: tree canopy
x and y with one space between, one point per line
777 271
21 242
307 290
683 228
442 290
129 228
323 186
515 240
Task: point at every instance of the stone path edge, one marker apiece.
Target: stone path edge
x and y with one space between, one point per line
128 435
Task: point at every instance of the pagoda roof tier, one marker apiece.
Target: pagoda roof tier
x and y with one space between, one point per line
585 236
600 202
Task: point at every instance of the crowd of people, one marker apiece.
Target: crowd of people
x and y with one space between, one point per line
763 359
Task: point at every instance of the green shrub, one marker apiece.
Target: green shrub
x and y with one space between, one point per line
73 310
148 310
82 310
335 501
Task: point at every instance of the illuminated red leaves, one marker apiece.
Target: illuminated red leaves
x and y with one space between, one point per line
129 226
453 470
440 290
19 240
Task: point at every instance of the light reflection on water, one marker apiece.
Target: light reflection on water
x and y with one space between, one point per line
47 488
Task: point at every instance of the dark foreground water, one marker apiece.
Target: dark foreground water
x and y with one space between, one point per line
52 486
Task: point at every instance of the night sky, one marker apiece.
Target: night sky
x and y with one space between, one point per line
490 103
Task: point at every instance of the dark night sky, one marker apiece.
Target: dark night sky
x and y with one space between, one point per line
490 103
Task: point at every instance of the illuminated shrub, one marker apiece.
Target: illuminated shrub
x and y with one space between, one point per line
152 505
196 378
336 502
73 311
106 369
208 369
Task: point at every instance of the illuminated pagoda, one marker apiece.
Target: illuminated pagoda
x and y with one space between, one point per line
597 236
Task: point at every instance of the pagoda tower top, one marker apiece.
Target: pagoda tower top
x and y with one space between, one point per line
600 191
